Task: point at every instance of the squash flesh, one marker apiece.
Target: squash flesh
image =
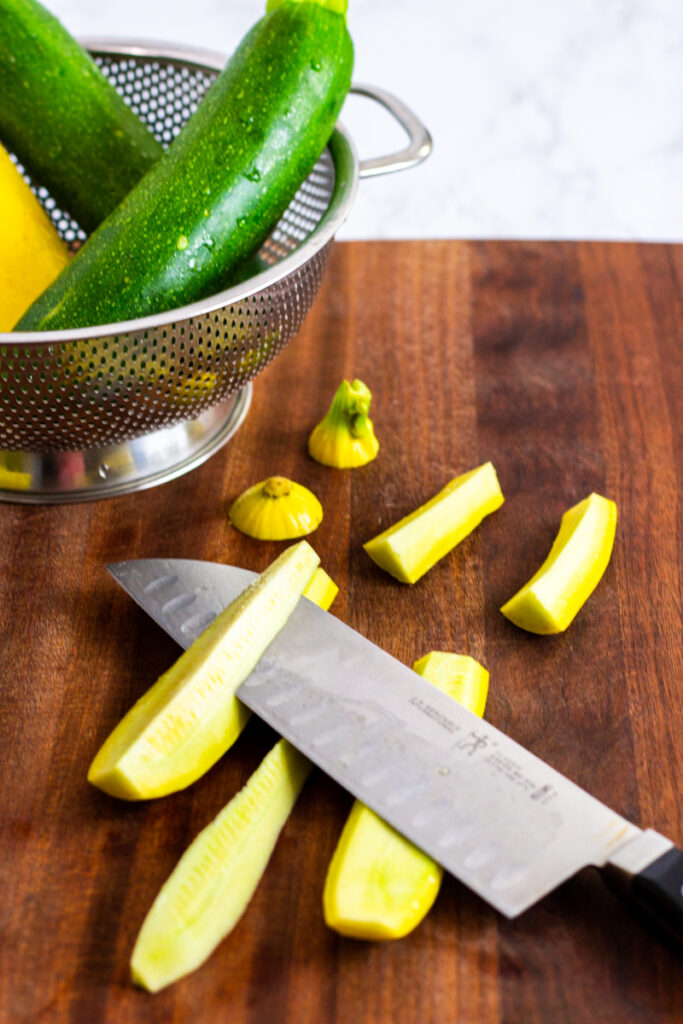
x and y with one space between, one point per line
214 880
191 716
379 885
580 553
209 889
409 548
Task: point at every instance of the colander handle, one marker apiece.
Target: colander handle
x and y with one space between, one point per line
419 140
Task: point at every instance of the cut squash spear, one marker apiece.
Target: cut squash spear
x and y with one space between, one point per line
211 886
578 558
379 885
191 716
409 548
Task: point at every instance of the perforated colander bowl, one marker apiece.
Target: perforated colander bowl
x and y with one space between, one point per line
104 410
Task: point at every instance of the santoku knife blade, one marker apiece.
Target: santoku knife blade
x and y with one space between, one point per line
497 817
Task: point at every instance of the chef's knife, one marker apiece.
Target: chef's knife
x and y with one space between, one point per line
497 817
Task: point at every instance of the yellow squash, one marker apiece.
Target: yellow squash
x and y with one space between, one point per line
210 888
196 387
31 252
191 716
412 546
458 676
345 437
379 885
214 880
276 509
322 590
571 572
14 479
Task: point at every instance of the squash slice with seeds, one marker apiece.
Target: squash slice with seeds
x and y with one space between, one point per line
191 716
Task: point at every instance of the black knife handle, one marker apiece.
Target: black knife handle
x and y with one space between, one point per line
657 890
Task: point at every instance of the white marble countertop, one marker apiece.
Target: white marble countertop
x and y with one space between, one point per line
550 118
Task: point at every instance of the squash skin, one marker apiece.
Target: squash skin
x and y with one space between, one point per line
210 201
345 437
322 590
276 509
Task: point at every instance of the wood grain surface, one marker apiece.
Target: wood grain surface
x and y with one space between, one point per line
562 364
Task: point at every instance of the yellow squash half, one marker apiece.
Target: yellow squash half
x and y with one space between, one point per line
214 880
379 885
191 716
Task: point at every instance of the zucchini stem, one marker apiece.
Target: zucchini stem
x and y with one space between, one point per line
336 6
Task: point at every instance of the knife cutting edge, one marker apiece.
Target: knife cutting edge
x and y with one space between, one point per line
494 815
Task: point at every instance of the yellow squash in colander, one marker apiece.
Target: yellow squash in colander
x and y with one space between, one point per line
31 251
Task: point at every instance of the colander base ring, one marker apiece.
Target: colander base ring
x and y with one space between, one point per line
144 461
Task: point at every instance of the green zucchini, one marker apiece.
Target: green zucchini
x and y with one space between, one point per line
63 120
223 183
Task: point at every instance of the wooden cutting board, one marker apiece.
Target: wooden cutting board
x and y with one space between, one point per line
561 363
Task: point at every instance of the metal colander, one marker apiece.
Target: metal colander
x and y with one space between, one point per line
108 409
